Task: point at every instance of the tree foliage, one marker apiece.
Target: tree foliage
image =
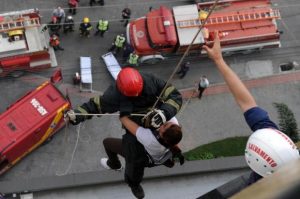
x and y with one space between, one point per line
287 121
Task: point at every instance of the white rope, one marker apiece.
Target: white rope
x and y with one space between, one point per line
106 114
73 153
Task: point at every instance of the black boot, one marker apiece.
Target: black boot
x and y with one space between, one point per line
138 191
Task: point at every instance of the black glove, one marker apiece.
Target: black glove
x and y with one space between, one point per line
154 118
181 158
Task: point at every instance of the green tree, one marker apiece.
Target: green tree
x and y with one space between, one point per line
287 121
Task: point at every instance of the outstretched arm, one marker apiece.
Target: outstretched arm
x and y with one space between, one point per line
130 125
241 94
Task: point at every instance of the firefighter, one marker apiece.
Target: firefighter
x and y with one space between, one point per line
102 27
134 92
126 12
267 149
133 59
85 27
73 4
69 24
55 43
59 13
118 44
53 25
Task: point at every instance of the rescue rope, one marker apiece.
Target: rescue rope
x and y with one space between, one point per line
73 153
185 54
106 114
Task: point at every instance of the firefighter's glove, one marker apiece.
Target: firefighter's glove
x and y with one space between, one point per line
71 116
154 119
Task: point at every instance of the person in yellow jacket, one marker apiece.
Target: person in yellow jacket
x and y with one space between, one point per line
85 27
133 59
118 44
102 27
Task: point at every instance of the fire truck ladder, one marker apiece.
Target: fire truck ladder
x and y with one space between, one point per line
242 17
18 24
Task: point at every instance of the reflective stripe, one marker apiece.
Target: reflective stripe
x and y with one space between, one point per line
119 41
96 100
168 91
173 103
133 58
82 110
103 25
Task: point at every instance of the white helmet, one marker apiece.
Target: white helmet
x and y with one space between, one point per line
269 149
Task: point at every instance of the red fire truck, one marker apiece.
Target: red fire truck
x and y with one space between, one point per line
244 26
24 43
29 122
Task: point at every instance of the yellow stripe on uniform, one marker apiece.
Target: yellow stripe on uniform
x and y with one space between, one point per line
173 103
96 100
167 92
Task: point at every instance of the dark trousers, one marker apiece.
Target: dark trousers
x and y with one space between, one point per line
134 154
182 73
101 32
72 10
58 47
201 90
115 49
125 20
113 148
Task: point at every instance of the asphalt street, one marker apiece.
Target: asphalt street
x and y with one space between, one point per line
214 117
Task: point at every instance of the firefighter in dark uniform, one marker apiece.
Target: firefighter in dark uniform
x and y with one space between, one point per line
133 92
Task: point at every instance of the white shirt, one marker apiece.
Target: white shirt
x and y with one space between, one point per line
158 152
204 83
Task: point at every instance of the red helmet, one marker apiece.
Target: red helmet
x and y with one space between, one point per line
130 82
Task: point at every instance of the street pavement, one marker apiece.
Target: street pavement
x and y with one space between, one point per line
214 117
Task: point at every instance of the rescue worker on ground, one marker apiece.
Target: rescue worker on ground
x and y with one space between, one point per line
59 13
55 43
73 4
118 44
68 24
133 59
126 12
85 27
76 79
133 92
148 147
53 25
102 27
277 148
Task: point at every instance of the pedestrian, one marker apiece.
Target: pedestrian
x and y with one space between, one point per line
59 13
55 43
54 26
184 68
102 27
118 44
76 79
133 59
68 25
101 2
134 92
267 148
85 27
73 4
202 85
142 147
126 12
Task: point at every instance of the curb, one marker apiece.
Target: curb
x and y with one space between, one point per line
108 176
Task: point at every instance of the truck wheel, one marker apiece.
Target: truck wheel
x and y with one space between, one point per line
16 74
151 59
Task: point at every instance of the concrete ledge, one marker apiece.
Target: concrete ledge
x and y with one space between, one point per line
103 177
